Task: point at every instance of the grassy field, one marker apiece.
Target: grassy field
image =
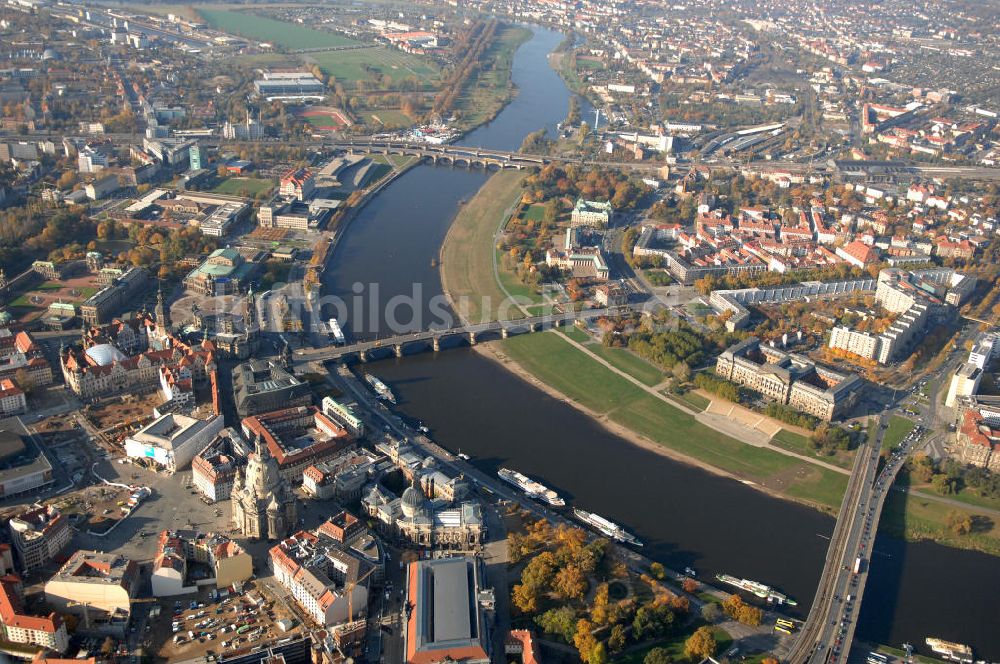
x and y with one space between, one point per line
389 118
575 333
534 212
467 254
629 362
485 93
279 33
916 517
675 645
348 67
694 400
898 428
585 381
248 187
796 442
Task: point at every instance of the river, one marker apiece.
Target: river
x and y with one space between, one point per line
686 516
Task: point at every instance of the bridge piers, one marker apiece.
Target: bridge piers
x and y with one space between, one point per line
436 344
363 355
472 338
399 350
533 327
504 333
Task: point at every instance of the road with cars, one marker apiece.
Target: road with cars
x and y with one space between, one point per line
828 632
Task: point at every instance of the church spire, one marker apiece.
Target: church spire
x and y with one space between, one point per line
162 315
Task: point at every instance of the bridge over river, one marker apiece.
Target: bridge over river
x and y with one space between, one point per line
827 634
437 339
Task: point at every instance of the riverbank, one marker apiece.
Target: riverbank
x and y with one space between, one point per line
572 376
488 92
467 254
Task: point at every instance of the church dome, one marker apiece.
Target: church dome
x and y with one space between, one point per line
412 502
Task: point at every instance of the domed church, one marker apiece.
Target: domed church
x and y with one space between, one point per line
264 507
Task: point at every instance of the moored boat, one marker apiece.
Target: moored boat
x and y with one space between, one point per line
757 588
606 527
533 489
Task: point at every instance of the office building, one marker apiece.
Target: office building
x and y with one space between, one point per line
298 437
172 440
96 587
214 469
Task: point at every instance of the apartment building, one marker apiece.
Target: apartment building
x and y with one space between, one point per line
229 562
47 632
39 534
326 579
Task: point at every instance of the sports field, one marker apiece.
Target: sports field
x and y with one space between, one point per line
322 117
279 33
243 186
354 65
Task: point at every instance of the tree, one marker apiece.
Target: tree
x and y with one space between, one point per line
651 621
560 622
23 380
710 611
701 644
769 660
584 639
682 372
616 640
658 571
657 656
689 585
958 522
525 598
570 583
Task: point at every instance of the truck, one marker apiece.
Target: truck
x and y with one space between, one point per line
857 564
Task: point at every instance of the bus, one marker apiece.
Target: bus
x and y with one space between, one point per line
785 623
878 657
783 630
243 629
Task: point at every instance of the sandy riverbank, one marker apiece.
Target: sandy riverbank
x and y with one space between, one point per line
493 352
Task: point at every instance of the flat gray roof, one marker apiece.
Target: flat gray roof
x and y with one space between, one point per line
452 596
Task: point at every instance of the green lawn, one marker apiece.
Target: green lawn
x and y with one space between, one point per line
534 212
279 33
898 428
246 187
916 517
629 362
468 250
571 372
489 89
351 66
390 118
675 645
795 442
575 333
509 280
690 398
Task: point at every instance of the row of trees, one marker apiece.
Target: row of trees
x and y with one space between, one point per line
473 44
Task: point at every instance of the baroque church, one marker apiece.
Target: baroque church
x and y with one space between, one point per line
264 506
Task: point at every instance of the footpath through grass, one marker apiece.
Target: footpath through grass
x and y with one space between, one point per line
279 33
467 253
796 442
578 376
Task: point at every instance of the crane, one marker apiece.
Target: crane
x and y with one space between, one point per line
349 589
